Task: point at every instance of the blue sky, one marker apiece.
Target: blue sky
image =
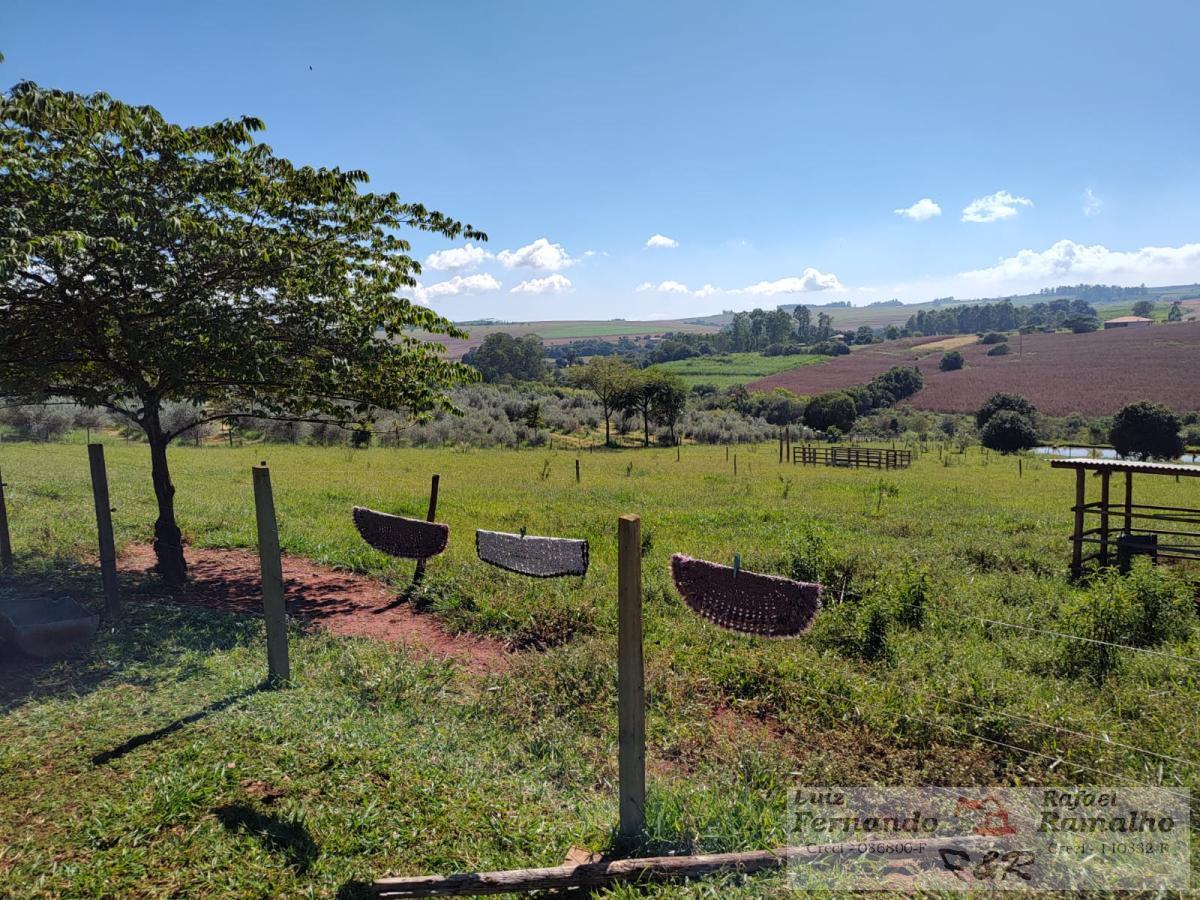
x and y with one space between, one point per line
768 146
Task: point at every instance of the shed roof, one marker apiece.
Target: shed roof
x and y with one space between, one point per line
1127 465
1128 320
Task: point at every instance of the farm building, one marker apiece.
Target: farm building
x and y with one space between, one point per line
1128 322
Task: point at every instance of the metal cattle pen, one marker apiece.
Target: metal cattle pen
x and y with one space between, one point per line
1125 528
852 457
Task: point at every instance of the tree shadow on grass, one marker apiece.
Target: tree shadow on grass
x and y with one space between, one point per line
147 636
288 838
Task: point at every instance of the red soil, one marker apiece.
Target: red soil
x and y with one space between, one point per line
1094 373
337 602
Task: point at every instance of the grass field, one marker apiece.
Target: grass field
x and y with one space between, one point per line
729 369
379 762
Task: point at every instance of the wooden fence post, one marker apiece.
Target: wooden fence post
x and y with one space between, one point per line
577 470
5 540
274 610
735 464
104 531
1077 537
419 572
1105 476
631 699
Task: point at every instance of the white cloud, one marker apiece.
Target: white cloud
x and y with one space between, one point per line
457 259
811 280
591 253
923 209
551 284
541 254
994 207
1091 203
707 291
459 284
661 242
676 287
1082 262
672 287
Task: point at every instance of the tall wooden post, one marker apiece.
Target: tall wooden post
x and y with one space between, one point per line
735 464
1128 501
577 470
274 610
1077 537
104 531
1105 477
781 446
631 699
419 572
5 540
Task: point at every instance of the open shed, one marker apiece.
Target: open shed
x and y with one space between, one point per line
1125 528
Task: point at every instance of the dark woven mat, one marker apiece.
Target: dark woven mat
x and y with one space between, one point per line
538 557
398 536
748 603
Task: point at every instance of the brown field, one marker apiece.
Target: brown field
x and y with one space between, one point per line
566 331
1093 373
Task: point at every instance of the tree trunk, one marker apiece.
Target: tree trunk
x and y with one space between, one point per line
645 427
607 437
168 541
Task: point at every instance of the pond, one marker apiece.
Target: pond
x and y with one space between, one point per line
1098 453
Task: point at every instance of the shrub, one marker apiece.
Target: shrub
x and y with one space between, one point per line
834 409
999 350
1002 401
951 361
1146 430
1009 432
993 337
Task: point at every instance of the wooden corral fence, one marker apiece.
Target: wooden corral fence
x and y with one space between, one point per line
852 457
1125 529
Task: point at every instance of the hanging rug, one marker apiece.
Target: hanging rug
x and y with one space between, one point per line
746 602
538 557
399 536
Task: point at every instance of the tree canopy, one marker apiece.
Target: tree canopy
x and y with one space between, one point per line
144 262
1146 430
502 356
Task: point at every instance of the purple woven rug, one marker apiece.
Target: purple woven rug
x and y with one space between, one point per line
398 536
748 603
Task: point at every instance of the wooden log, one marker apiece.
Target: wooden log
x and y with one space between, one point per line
595 874
274 609
104 531
631 699
419 571
6 558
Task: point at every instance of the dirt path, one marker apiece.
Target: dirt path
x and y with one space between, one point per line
337 602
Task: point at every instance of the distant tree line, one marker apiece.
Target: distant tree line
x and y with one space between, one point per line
1004 315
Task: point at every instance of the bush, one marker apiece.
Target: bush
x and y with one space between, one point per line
993 337
1146 430
1002 401
834 409
951 362
999 350
1009 432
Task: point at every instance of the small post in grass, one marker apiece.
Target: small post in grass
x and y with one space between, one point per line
735 464
5 540
631 698
104 531
419 572
577 470
274 610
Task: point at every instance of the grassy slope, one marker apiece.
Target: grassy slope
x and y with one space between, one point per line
392 765
730 369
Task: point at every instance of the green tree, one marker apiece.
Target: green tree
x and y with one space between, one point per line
1000 402
1144 308
831 410
1009 432
951 362
1146 430
609 378
670 400
1175 313
803 316
144 263
502 356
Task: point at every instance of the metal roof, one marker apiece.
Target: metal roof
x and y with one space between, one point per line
1127 465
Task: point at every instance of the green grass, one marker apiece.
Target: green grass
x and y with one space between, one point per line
729 369
390 764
